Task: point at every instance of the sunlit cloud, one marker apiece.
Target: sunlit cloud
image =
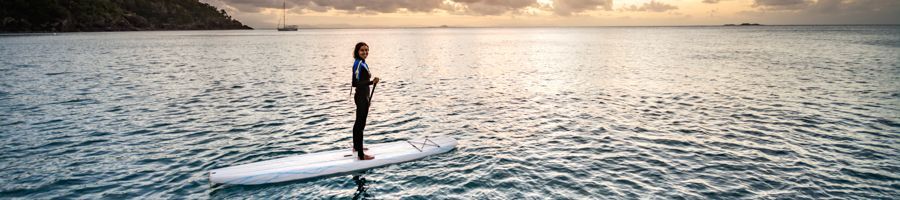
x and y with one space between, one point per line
568 7
782 4
490 7
712 1
652 6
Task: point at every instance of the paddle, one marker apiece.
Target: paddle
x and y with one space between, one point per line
373 93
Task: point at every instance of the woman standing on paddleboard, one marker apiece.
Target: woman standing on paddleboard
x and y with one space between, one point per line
361 82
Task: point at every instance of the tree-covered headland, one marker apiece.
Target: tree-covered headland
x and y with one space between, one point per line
112 15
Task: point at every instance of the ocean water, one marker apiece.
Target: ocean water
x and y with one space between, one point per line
770 112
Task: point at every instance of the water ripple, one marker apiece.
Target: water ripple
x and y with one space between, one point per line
680 113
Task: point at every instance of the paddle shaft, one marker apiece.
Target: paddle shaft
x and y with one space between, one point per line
373 93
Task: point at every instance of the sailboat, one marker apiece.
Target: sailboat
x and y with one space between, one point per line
282 25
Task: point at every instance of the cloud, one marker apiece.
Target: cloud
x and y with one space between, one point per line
338 13
353 6
458 7
568 7
854 6
491 7
378 6
651 6
831 7
253 6
472 7
782 4
831 12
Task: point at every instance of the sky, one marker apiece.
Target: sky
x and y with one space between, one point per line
265 14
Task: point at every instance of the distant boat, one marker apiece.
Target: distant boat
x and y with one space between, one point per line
282 25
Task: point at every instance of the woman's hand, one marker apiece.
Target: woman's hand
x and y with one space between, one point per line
375 81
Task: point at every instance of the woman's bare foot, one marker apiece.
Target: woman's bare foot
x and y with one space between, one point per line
368 157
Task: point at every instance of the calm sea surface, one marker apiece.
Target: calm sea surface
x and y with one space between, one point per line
797 112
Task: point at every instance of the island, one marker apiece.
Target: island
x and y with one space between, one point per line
744 24
112 15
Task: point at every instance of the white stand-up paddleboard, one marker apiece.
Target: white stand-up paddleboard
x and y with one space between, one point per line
330 162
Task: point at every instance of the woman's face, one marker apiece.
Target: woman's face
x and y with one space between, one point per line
363 51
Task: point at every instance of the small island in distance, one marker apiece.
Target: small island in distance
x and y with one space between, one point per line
112 15
744 24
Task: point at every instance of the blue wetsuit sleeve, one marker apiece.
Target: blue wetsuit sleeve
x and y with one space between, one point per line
361 74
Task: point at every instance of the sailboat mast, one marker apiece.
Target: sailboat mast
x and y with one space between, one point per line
282 25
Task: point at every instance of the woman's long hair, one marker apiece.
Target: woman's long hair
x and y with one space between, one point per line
356 50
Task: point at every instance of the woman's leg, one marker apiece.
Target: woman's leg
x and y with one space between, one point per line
362 110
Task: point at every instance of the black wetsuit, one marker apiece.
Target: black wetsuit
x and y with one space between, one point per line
361 82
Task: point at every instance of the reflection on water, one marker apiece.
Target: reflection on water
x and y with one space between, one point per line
361 188
798 112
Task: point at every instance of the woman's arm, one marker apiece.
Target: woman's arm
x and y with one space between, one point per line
365 77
